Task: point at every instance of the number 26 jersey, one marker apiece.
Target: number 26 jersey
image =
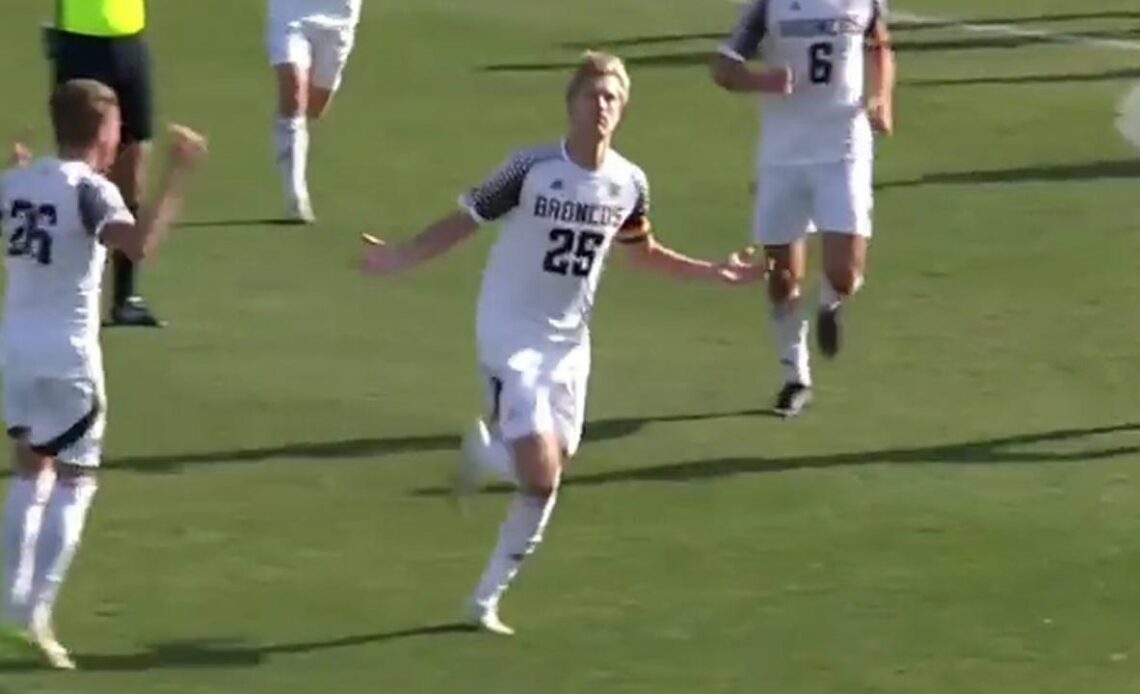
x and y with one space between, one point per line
52 213
823 42
559 221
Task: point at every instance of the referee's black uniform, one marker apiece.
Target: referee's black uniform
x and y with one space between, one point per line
104 40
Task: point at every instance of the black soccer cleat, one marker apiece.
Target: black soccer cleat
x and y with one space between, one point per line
829 331
792 400
134 313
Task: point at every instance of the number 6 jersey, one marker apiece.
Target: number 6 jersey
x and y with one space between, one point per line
822 42
559 221
51 214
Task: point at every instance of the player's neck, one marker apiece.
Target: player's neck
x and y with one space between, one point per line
86 155
589 152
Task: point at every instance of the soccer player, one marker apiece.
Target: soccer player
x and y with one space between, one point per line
59 215
562 206
309 43
105 40
815 158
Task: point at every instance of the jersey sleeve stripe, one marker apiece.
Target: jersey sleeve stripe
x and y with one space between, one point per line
727 52
744 43
467 205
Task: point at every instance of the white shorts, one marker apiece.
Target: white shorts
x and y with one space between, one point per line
323 50
61 417
795 200
540 392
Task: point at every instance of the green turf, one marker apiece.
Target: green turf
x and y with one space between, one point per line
956 515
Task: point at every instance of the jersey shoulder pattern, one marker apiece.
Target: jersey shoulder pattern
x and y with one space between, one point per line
743 44
100 203
500 193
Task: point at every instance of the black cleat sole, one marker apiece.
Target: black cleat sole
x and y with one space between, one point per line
829 332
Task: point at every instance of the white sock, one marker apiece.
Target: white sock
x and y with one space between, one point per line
496 460
791 331
519 536
829 298
291 137
22 517
62 528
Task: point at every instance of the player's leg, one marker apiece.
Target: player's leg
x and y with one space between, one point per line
331 49
538 463
485 454
781 223
71 432
291 57
541 436
28 491
134 89
27 495
843 202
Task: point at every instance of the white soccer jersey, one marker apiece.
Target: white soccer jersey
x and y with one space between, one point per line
51 214
329 13
823 43
559 222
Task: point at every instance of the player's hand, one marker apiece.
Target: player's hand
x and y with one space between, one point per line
881 113
21 154
379 258
742 267
778 80
187 147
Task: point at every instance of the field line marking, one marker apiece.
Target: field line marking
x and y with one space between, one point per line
1011 30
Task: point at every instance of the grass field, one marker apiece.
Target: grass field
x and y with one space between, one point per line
958 513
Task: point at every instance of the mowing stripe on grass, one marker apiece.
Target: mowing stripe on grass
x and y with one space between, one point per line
1011 30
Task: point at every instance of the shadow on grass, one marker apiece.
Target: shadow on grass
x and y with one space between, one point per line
218 653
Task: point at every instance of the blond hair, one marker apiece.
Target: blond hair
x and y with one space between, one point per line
78 108
594 65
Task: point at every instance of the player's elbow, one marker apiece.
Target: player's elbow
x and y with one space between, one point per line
723 71
125 239
640 252
136 253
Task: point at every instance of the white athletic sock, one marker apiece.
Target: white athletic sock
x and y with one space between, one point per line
291 137
829 298
496 460
519 536
62 528
22 517
791 331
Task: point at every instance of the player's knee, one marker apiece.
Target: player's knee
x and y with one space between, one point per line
783 285
292 96
318 103
539 465
542 481
844 279
291 105
129 170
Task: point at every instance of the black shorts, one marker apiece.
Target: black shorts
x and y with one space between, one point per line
121 63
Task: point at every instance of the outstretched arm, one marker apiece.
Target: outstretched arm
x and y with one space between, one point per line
645 251
438 238
493 199
636 236
882 73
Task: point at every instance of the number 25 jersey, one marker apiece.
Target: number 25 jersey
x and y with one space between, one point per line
823 42
51 214
559 221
